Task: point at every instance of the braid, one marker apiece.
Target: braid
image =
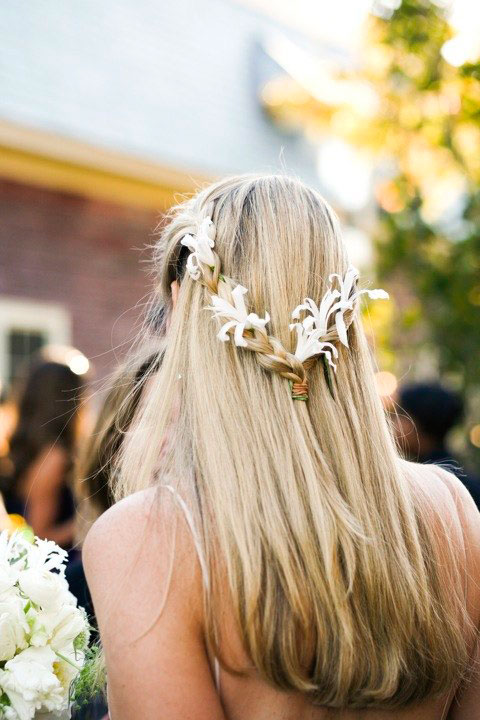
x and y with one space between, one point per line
268 350
317 334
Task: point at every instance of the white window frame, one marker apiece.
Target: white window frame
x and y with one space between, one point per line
50 319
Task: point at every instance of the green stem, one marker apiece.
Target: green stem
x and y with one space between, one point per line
67 660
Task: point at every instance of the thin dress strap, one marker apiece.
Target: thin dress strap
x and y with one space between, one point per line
201 558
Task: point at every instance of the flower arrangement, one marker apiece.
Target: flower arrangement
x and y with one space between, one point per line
43 634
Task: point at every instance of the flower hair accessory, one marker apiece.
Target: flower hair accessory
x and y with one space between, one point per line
333 306
323 324
237 316
200 245
313 332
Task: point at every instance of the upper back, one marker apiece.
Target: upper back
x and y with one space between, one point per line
244 696
449 505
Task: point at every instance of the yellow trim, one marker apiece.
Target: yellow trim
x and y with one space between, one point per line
58 163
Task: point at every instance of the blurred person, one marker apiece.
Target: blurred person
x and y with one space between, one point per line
100 448
93 474
278 558
42 450
98 454
431 412
4 517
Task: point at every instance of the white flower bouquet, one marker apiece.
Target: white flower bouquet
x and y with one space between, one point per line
43 634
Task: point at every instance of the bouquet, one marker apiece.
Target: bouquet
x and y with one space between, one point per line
43 634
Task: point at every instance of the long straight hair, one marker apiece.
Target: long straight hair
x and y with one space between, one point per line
311 527
48 405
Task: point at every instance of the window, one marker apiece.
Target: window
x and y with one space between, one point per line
25 327
22 346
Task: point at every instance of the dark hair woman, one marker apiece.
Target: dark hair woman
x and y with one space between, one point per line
101 447
42 448
97 457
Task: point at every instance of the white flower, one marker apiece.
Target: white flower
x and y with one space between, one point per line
8 572
13 625
31 684
67 667
237 316
334 302
8 713
9 639
43 635
39 633
347 298
44 588
59 628
46 554
200 245
309 344
319 316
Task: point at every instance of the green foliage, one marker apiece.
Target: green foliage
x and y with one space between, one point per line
427 127
91 680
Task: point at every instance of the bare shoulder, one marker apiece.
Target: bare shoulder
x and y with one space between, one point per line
466 508
448 484
128 552
123 520
146 586
137 526
117 528
452 508
442 488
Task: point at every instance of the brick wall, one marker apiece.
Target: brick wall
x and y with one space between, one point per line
83 254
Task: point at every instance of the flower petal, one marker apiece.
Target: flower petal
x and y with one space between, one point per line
378 294
207 227
333 349
257 322
238 299
328 355
188 241
222 308
223 333
193 267
308 305
351 276
341 328
238 335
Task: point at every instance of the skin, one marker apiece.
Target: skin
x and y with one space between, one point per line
152 625
41 488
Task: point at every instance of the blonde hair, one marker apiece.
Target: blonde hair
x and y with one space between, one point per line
310 526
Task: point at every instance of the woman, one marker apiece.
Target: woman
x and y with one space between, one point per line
42 449
279 560
98 453
97 458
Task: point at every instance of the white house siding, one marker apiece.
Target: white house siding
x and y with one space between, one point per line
173 82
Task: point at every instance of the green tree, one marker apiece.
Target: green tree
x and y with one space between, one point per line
426 127
419 116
